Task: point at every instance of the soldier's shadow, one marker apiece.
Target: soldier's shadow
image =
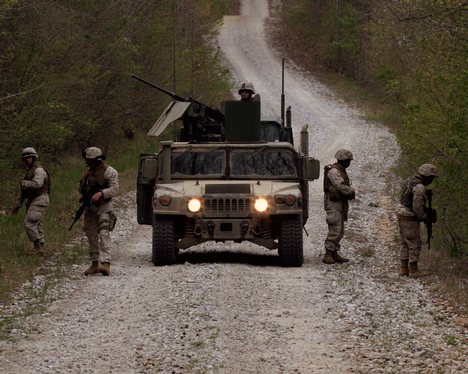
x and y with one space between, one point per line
212 257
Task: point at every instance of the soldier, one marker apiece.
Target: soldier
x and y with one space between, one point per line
35 187
246 91
99 184
338 190
410 212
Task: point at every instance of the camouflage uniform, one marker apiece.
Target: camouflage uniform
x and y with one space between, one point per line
410 212
35 188
338 190
98 216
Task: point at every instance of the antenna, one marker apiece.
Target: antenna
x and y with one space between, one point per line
282 91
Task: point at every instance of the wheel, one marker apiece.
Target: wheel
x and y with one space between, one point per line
290 241
164 250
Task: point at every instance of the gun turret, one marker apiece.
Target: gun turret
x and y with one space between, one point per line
212 114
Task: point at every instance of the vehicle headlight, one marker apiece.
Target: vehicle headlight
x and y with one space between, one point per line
165 200
261 205
194 205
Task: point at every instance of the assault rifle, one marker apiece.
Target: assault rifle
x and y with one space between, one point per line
431 218
213 114
85 203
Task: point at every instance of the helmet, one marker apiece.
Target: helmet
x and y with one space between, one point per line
93 153
247 86
343 154
427 170
29 152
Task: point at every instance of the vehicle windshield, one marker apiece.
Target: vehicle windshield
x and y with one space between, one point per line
263 163
244 163
198 163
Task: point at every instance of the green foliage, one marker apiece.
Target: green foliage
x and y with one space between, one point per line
65 84
411 54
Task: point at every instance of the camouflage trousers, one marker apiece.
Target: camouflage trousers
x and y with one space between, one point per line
33 222
335 221
96 228
410 240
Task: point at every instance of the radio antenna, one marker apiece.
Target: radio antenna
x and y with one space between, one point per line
282 91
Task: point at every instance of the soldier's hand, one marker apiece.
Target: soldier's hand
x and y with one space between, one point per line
95 198
86 173
15 211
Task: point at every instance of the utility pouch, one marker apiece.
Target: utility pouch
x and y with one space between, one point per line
112 221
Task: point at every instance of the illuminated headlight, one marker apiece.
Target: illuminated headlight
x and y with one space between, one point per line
194 205
261 205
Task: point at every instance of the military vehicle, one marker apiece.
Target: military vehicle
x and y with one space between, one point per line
228 176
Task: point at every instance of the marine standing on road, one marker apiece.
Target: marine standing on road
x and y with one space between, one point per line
410 212
35 187
338 191
99 184
246 91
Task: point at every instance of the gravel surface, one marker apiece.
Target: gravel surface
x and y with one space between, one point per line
230 308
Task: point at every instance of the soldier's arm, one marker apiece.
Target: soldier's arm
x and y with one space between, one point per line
38 180
419 200
337 181
112 177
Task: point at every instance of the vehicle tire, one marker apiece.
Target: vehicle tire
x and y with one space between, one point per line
290 242
164 250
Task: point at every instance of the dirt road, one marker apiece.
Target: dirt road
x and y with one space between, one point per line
229 308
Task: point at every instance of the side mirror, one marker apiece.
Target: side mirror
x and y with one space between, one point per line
310 168
148 171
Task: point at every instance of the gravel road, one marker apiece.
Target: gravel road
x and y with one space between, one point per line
230 308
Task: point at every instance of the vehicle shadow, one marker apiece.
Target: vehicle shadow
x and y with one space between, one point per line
212 257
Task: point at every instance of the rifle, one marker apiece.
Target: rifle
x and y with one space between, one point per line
85 203
211 113
431 218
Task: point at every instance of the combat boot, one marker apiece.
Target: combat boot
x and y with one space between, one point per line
38 247
413 269
105 268
93 269
338 258
328 258
404 270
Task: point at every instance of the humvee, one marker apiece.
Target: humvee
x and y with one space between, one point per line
232 178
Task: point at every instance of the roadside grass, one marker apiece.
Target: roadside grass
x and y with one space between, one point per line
17 260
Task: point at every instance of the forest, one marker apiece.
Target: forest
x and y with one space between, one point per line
65 84
410 59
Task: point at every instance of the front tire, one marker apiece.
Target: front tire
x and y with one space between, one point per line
290 242
164 250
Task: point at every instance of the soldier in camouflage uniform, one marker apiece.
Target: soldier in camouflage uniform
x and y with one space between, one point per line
410 212
99 184
338 191
246 91
35 187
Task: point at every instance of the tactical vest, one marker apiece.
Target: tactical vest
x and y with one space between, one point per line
32 193
326 181
95 179
406 198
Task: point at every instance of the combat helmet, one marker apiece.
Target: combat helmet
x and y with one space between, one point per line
247 86
29 152
93 153
427 170
343 154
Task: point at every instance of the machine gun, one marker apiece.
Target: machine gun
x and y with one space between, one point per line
85 203
212 114
431 218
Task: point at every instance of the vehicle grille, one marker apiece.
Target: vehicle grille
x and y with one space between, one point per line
229 207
